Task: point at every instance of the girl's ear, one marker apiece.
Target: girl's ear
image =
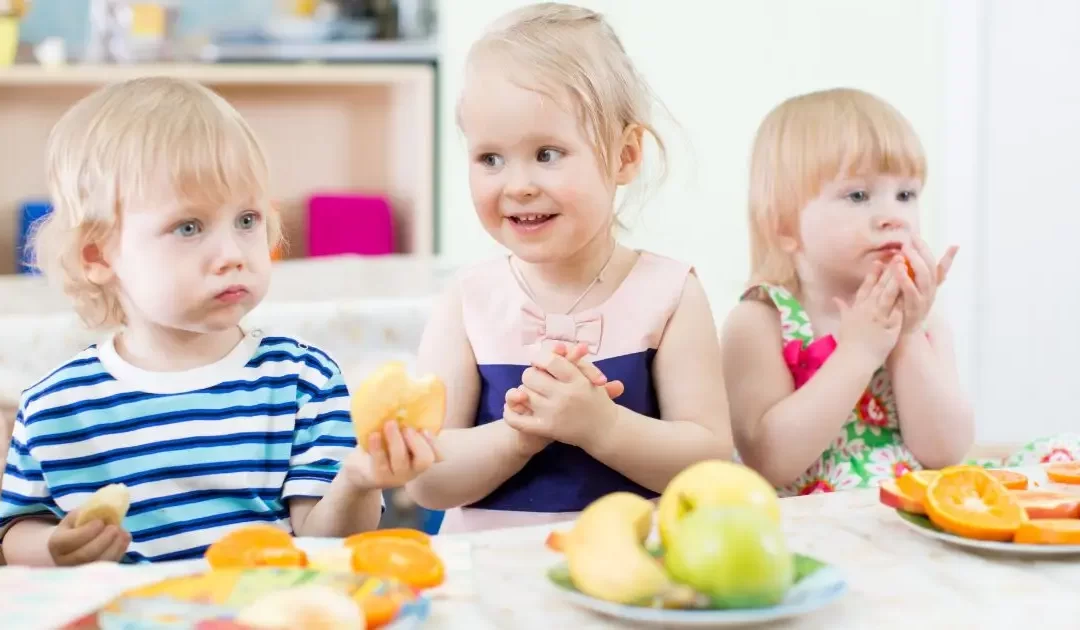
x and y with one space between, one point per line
98 269
630 154
788 244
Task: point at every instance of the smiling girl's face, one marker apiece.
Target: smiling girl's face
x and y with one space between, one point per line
853 222
537 183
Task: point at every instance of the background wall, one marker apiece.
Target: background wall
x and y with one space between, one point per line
719 67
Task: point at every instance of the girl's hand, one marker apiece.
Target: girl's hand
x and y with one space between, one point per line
917 296
95 541
517 399
393 458
873 320
565 405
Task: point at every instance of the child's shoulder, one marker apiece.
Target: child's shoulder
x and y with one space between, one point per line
81 370
284 352
753 321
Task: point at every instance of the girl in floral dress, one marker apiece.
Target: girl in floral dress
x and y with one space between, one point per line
839 373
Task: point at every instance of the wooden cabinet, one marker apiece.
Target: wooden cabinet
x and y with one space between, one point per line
361 128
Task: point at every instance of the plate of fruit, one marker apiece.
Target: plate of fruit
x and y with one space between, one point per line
259 576
720 557
990 510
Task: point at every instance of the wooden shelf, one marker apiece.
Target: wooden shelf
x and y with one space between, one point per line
364 128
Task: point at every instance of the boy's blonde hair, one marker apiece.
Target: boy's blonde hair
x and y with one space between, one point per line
563 50
806 142
144 140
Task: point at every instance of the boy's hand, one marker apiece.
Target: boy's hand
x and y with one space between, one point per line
394 457
95 541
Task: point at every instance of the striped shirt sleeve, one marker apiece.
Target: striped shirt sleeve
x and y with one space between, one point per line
25 492
323 435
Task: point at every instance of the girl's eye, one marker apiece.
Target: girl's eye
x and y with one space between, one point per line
491 160
548 155
858 196
905 195
247 221
187 228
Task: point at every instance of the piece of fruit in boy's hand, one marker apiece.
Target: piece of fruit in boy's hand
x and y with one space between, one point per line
109 504
391 394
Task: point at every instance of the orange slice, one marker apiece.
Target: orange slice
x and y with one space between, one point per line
972 503
913 484
255 545
1064 472
556 541
393 532
409 561
390 393
891 495
1053 531
1012 479
1044 504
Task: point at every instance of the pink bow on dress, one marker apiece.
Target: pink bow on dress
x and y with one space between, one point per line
805 360
578 328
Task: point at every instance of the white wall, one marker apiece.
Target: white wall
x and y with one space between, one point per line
719 67
1018 122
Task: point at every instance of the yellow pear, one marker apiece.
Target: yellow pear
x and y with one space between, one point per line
714 483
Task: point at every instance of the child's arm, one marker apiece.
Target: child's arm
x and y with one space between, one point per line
936 420
689 384
780 431
475 459
323 502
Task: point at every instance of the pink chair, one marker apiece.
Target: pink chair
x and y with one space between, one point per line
350 224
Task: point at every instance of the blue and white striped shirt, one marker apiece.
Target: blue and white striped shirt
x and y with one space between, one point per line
201 451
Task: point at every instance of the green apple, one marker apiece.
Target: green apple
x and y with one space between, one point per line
736 556
714 483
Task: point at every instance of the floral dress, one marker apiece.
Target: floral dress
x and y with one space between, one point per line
868 449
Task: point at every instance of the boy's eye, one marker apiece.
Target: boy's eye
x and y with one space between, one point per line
491 160
247 221
548 155
187 228
858 196
905 195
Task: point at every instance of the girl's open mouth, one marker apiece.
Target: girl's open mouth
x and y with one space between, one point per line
531 220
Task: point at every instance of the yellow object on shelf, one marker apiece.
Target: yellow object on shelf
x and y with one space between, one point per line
148 19
9 40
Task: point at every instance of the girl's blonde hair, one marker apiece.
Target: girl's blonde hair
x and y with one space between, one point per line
144 140
563 50
806 142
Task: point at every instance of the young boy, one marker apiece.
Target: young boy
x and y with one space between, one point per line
161 234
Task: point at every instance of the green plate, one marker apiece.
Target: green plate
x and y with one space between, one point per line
816 585
923 525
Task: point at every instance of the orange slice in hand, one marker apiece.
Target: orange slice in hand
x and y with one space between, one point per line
914 484
972 503
409 561
1012 480
393 532
1053 531
255 545
1064 472
891 495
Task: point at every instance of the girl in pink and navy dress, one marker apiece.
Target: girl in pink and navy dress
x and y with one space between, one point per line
839 373
554 115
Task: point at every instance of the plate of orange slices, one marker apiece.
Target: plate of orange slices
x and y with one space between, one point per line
988 510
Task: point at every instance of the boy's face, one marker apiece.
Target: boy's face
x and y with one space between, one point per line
194 269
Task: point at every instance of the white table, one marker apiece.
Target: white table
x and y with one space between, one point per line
496 579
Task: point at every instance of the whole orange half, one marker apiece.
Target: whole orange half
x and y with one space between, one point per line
972 503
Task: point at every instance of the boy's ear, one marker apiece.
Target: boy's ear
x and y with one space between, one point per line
97 267
631 146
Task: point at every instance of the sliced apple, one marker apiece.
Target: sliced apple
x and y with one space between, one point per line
1044 504
891 495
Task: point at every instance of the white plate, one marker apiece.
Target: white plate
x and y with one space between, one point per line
1004 548
817 590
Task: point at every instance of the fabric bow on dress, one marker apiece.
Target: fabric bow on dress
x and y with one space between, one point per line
805 360
538 327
